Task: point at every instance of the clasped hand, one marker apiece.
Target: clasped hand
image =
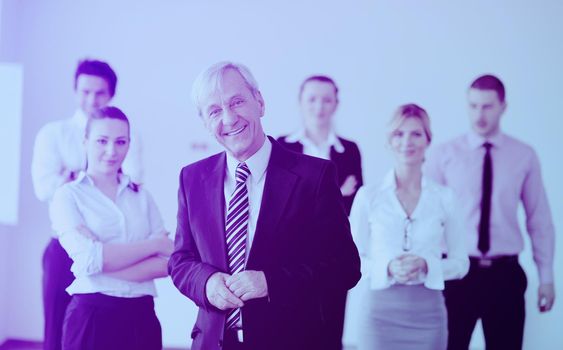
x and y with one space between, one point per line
406 268
226 291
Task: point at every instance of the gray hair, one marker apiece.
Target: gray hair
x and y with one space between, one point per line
211 79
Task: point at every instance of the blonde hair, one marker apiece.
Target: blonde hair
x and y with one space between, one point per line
407 111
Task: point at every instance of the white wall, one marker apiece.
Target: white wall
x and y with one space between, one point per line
381 53
4 277
4 249
11 87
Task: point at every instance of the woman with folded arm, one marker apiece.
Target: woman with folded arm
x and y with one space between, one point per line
114 234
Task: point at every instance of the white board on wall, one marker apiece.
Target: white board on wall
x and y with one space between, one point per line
11 89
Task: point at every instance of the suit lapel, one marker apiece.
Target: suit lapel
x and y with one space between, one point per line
214 216
280 182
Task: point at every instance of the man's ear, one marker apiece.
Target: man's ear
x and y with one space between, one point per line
258 97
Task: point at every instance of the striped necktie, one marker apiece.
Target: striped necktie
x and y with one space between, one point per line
236 230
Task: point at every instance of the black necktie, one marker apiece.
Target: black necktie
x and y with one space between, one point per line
484 223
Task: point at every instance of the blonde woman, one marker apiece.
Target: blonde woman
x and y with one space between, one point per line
401 228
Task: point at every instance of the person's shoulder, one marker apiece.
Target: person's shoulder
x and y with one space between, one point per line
517 146
453 143
443 194
299 163
66 191
282 139
288 143
348 144
52 128
370 196
205 164
371 191
350 147
437 188
304 160
448 148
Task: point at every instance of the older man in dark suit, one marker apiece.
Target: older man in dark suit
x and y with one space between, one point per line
261 231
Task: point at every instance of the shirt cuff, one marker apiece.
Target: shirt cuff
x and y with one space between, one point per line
434 276
90 262
378 275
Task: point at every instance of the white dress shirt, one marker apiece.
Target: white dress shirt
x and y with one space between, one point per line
257 164
254 184
132 217
517 178
311 149
379 224
59 146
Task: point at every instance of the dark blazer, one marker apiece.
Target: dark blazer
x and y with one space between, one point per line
302 243
347 163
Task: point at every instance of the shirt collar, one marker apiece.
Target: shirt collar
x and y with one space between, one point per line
79 118
257 163
390 181
301 137
476 141
124 180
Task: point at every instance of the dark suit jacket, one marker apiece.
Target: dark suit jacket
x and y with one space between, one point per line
347 163
302 243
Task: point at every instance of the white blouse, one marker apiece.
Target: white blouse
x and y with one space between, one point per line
383 231
319 151
132 217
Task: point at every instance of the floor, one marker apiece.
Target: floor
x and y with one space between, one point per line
34 345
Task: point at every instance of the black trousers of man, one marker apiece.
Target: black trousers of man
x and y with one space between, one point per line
492 291
56 278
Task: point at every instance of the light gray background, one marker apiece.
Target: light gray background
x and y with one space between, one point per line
381 53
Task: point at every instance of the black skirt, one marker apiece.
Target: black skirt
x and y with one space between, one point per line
99 321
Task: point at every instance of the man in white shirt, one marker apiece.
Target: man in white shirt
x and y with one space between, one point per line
58 156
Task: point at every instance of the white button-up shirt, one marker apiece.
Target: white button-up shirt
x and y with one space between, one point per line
517 179
379 225
257 164
132 217
254 184
319 151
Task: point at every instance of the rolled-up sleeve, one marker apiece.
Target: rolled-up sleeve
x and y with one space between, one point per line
155 218
538 221
46 164
434 277
85 253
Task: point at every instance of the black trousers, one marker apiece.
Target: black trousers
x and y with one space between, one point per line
97 321
56 278
230 341
494 294
334 313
